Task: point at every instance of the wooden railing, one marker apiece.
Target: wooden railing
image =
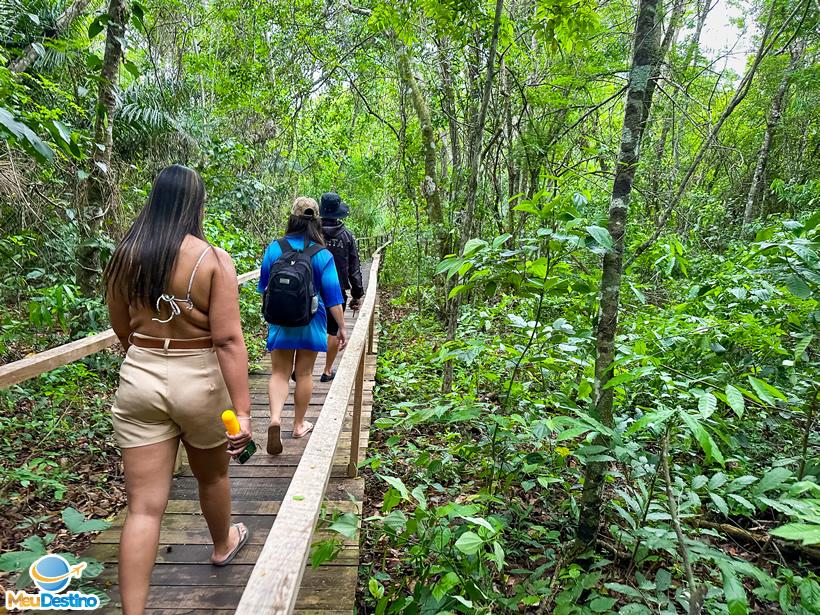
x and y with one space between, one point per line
274 583
24 369
42 362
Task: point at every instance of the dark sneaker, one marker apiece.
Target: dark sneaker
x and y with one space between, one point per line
328 378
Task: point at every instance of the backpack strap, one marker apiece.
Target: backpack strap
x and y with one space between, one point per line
285 246
313 250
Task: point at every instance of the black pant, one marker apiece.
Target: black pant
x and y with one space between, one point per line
332 325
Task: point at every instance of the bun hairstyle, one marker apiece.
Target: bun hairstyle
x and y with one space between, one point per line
304 220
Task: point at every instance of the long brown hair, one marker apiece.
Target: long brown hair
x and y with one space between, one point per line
141 265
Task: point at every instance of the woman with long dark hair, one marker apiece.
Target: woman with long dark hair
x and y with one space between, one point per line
174 305
293 350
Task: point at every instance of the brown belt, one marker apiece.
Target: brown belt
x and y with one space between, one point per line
171 344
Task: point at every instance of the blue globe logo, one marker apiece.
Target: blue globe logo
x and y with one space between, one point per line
51 573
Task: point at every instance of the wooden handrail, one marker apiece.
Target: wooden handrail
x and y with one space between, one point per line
274 583
19 371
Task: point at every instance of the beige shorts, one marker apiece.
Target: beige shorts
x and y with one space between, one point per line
168 393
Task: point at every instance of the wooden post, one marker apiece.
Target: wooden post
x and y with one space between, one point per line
352 466
370 334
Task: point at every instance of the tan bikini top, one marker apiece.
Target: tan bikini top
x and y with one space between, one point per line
173 302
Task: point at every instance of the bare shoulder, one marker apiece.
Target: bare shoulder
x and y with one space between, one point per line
223 261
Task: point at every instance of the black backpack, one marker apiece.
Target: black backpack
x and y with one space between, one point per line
290 300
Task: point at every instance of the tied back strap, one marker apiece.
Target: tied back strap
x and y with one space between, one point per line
173 302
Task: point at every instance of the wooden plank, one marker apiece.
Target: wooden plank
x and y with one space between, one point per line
19 371
274 583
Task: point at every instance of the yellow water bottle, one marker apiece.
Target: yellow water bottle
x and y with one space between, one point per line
232 427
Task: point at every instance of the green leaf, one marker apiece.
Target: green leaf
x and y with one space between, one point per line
720 503
398 485
473 246
633 608
418 493
478 521
469 543
629 376
798 287
396 521
376 589
347 525
805 533
76 523
707 404
601 236
734 399
97 26
733 591
324 551
772 479
20 133
702 436
766 391
602 604
444 585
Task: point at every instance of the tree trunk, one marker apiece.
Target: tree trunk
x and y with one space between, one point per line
638 103
771 125
475 151
30 53
430 187
96 191
449 108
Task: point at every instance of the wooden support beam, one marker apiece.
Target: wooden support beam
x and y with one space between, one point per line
352 466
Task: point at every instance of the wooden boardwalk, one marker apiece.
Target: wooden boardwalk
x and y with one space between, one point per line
183 580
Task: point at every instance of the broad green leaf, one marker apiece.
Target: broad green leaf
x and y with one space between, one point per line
601 236
347 525
720 503
805 533
629 376
772 479
707 404
702 436
602 604
733 591
478 521
766 391
444 585
396 521
469 543
473 246
397 484
76 523
734 399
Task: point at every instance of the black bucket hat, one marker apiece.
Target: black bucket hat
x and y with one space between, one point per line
332 206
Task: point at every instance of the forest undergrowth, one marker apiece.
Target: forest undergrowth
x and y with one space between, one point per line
473 495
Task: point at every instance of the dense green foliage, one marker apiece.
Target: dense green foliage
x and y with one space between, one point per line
485 137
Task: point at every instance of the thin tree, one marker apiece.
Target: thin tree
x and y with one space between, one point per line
96 193
645 58
771 125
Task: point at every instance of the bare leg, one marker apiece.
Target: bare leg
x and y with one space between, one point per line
281 366
305 360
332 351
210 467
148 471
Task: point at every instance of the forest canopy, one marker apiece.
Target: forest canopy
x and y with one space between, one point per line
599 372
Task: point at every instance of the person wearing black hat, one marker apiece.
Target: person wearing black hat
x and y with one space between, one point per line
342 244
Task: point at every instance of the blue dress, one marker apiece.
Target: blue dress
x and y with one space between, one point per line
312 336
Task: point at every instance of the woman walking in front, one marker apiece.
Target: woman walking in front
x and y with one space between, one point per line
173 302
293 350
